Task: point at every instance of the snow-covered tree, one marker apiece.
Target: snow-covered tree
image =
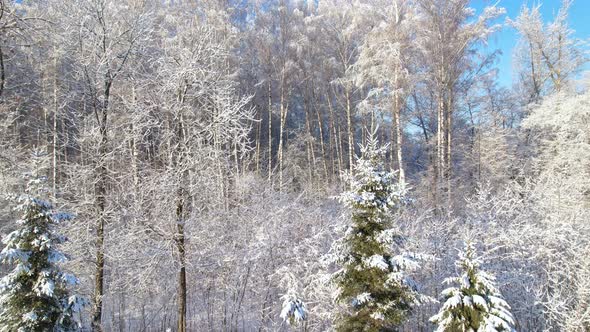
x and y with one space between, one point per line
35 295
385 64
294 309
475 304
548 55
373 278
450 39
559 200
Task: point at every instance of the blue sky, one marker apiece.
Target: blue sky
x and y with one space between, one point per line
579 17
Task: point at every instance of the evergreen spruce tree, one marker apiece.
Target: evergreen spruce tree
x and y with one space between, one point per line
475 304
372 282
294 309
34 296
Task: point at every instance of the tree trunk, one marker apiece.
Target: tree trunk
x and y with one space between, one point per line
448 159
269 131
181 213
322 144
399 146
334 144
122 310
536 87
396 115
258 143
350 130
340 131
2 72
309 144
438 165
180 246
101 206
282 123
101 191
55 116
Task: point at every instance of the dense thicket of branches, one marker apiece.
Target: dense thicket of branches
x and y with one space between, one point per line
200 145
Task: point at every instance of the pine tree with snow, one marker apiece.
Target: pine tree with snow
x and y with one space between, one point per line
475 304
294 309
372 282
34 296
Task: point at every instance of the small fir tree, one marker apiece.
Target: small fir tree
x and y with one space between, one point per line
34 296
372 281
294 309
475 304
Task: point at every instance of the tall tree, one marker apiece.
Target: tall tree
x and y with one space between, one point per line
203 122
561 143
104 36
449 35
343 25
386 64
36 294
372 279
548 54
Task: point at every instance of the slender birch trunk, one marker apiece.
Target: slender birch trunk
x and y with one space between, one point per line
269 132
397 105
399 146
284 108
448 158
258 143
350 129
322 143
55 116
334 144
309 144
